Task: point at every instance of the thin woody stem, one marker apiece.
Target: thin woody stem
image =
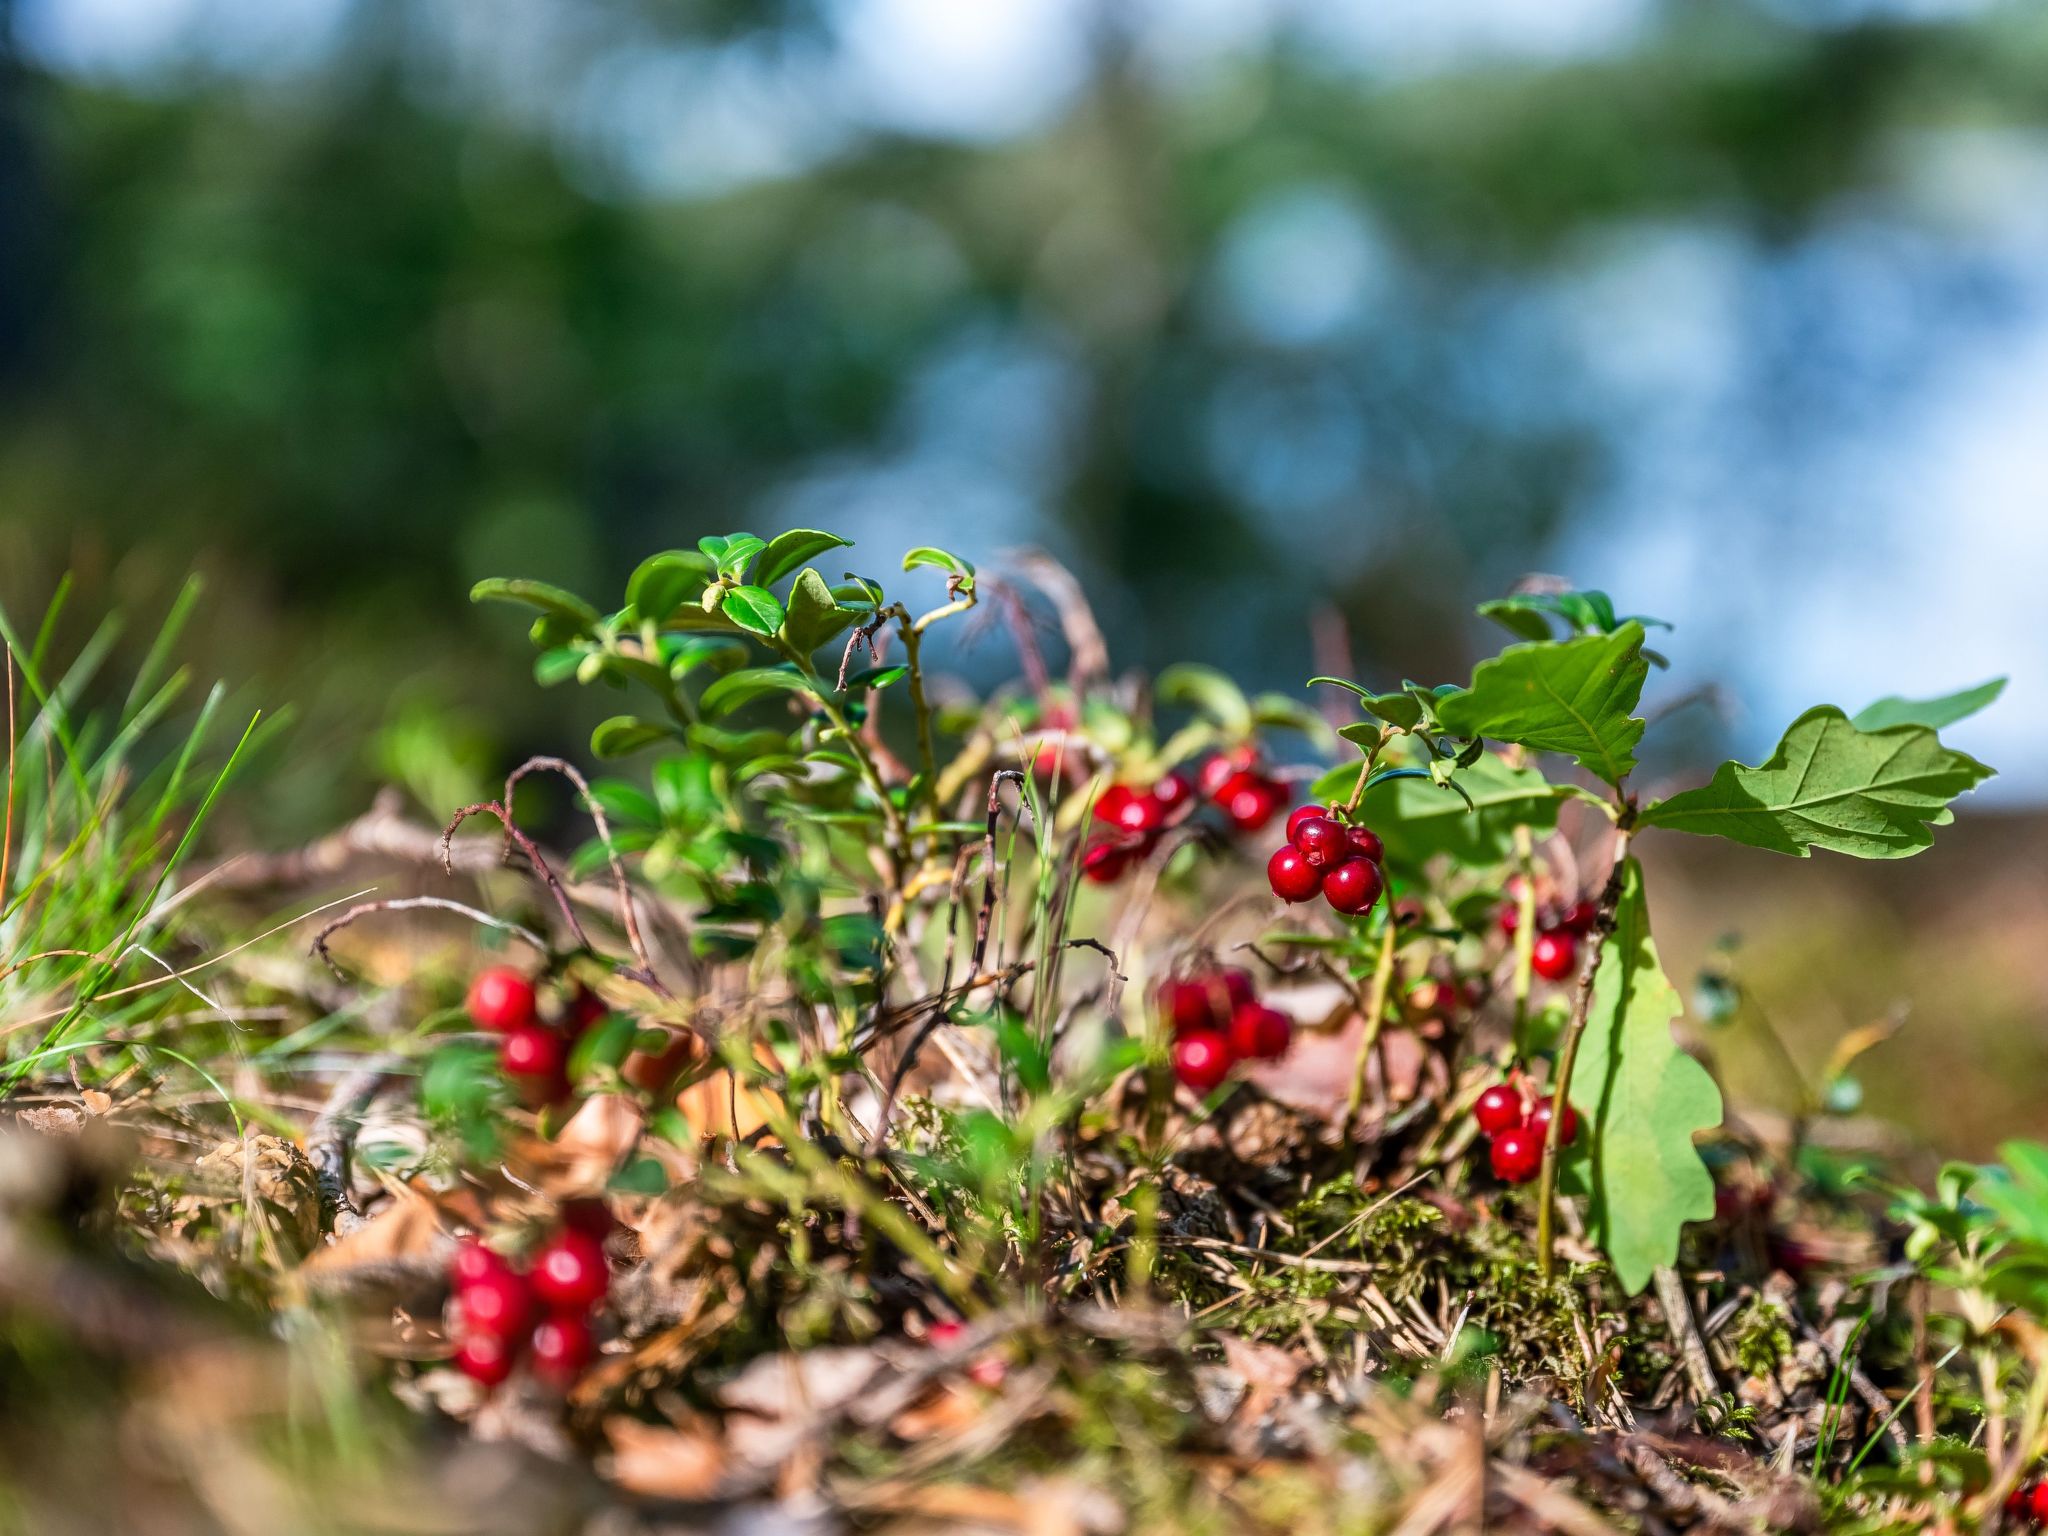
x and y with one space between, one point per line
1561 1079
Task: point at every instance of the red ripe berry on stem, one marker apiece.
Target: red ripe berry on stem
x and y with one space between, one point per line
2037 1500
1539 1121
1499 1109
1365 843
532 1052
485 1359
1189 1004
1103 863
1517 1155
1291 875
570 1273
501 999
1322 841
1172 792
499 1304
1353 886
1223 767
474 1264
1237 987
1300 814
562 1347
1259 1033
1131 810
1579 917
1250 800
1201 1059
1554 954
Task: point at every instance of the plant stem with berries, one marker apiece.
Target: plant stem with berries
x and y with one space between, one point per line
1375 1011
1568 1052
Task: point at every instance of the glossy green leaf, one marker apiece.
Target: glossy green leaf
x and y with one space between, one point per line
1418 819
606 1043
736 688
1873 794
876 677
625 803
557 665
787 551
814 615
625 733
732 552
1945 710
959 570
1643 1100
1209 692
684 654
662 583
551 600
1574 697
754 609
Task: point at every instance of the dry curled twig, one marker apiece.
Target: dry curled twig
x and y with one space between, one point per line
413 904
526 845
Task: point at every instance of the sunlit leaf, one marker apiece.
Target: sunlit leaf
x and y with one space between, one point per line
1572 696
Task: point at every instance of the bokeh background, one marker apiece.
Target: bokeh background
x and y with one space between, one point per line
1247 310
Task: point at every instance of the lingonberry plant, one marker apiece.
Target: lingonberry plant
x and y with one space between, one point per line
834 862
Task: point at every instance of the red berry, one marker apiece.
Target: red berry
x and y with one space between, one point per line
499 1305
1300 814
1499 1109
1172 792
945 1332
1201 1059
1322 842
1291 875
501 999
1250 800
1104 863
1579 917
1130 809
474 1264
1260 1033
485 1358
585 1009
2017 1501
533 1052
1366 844
2037 1500
1554 954
1353 886
1223 767
1237 987
1517 1155
1539 1122
1509 917
570 1273
562 1348
1189 1004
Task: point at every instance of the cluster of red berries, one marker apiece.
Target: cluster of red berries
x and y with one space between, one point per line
1554 953
1327 857
1233 781
2027 1505
533 1052
1518 1127
1218 1021
543 1308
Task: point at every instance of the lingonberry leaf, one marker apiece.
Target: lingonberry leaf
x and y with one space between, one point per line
624 733
662 583
728 693
1528 614
1643 1099
557 665
787 551
956 569
1418 819
732 552
755 609
578 615
1208 692
1945 710
1828 785
814 615
1569 696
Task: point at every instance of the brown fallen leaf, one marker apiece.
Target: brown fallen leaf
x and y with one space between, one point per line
580 1159
408 1228
686 1461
